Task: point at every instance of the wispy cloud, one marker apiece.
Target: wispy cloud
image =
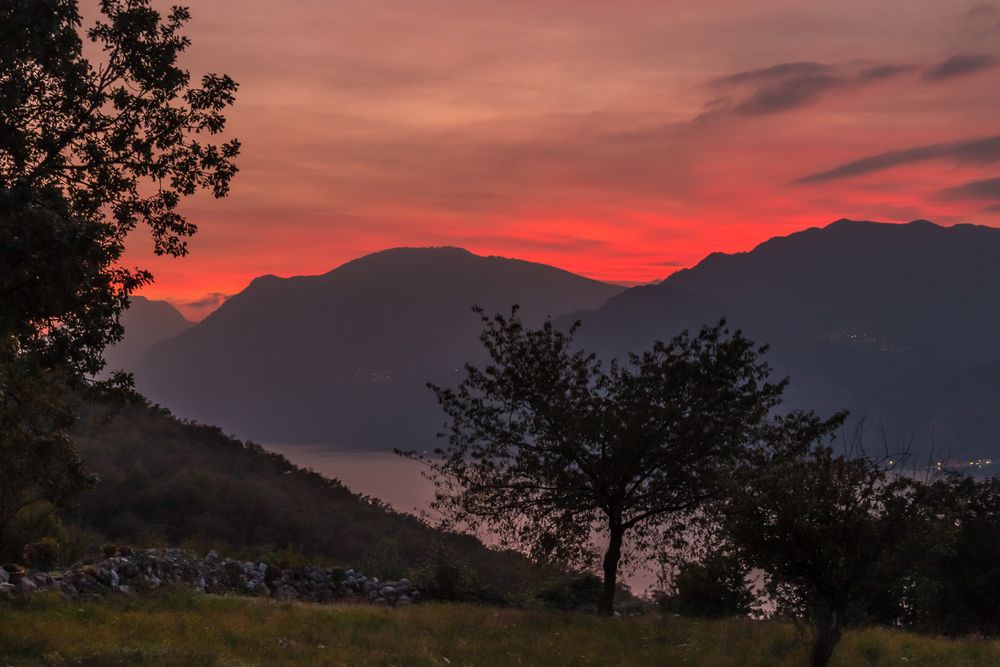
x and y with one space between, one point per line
980 151
960 65
791 85
987 190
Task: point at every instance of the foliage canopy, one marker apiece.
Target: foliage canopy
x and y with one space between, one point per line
100 130
548 447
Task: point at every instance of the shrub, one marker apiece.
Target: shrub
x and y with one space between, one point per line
578 592
42 554
445 575
385 561
714 587
32 524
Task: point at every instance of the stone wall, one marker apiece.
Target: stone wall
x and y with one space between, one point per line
138 570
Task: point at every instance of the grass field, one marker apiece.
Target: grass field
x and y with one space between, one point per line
187 629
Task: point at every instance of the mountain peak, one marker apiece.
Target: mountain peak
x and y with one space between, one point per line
844 223
423 250
326 358
896 321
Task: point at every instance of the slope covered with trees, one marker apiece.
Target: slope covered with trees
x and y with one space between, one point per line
163 481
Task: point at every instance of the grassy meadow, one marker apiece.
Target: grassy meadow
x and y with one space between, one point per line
192 630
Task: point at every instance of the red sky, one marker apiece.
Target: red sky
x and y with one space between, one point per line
620 140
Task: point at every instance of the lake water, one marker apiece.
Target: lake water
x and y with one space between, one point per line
384 475
392 479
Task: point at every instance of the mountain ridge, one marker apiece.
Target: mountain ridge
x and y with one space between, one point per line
348 346
894 321
146 322
882 319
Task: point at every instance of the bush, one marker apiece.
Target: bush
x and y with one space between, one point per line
385 561
445 575
34 523
76 543
715 587
576 593
43 554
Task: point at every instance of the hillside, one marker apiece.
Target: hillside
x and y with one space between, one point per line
343 358
146 323
164 482
898 323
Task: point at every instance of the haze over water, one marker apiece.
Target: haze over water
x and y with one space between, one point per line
384 475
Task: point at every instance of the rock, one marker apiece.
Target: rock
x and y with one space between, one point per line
27 586
257 588
153 568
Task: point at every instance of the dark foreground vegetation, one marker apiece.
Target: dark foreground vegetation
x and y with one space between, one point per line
184 629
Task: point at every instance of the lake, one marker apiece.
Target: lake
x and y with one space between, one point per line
384 475
393 480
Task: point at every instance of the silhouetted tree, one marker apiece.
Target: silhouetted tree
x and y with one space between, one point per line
824 528
90 147
549 448
956 585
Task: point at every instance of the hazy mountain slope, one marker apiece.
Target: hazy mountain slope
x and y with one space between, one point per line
146 323
343 358
899 323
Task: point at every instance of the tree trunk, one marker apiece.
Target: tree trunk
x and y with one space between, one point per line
829 627
5 522
606 603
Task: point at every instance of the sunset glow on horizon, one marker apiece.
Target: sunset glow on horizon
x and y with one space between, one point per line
620 141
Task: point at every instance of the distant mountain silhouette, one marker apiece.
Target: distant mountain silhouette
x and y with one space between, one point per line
342 358
898 323
146 323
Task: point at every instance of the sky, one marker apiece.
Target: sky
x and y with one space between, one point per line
621 140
